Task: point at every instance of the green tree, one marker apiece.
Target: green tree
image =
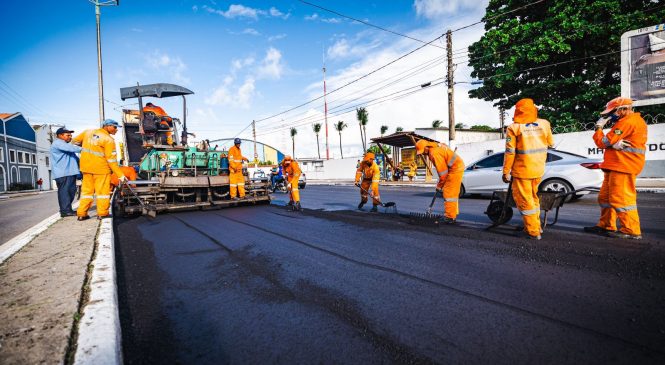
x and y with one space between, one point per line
339 127
377 151
293 141
384 129
460 126
436 123
363 117
563 54
317 129
482 127
399 129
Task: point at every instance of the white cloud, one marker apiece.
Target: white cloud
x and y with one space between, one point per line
343 48
316 17
195 8
312 17
235 11
168 65
250 31
278 14
432 9
271 66
331 20
276 37
239 64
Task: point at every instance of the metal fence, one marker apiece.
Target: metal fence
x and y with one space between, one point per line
589 126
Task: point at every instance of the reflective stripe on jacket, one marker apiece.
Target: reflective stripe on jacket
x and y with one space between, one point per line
235 159
98 155
368 172
526 149
630 160
445 160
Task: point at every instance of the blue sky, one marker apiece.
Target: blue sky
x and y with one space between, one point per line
243 59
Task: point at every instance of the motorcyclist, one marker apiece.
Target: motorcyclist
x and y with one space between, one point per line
276 175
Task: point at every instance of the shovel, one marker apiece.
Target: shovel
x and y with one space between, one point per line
385 205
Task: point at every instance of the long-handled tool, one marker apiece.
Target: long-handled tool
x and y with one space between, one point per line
386 205
426 218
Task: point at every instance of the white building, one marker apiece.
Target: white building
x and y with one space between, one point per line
44 137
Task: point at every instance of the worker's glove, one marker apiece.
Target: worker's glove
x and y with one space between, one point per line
122 179
505 178
620 145
288 186
600 123
357 184
439 190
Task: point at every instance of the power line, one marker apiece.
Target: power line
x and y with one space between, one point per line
368 24
496 16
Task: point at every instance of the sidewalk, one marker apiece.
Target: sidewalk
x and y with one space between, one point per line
16 194
50 291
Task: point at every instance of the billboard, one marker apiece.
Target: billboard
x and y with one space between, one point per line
643 65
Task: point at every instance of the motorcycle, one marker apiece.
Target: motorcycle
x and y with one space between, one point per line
278 185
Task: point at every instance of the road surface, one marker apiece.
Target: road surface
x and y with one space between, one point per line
20 213
264 285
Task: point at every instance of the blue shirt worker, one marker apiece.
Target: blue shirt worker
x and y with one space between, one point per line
65 167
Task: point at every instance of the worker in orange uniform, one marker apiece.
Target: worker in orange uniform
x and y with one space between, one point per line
527 141
165 121
291 171
625 148
129 173
370 173
237 180
98 161
450 168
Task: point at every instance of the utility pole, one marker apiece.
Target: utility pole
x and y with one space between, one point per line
325 106
451 90
502 120
256 155
100 79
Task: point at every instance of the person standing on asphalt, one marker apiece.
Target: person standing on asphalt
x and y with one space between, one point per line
623 160
65 167
450 168
98 161
527 141
370 173
236 178
292 173
39 184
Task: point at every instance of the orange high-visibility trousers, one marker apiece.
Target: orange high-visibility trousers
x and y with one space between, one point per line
237 182
451 190
368 184
525 194
294 192
618 199
98 185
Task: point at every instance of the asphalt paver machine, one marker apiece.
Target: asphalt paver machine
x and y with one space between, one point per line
173 176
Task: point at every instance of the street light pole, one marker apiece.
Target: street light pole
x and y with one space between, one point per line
100 79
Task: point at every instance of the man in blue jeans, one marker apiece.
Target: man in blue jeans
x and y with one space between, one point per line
65 169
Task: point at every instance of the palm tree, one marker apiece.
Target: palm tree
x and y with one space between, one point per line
384 129
293 141
339 126
436 124
317 128
363 118
399 129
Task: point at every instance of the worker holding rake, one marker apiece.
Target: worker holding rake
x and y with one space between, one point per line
370 174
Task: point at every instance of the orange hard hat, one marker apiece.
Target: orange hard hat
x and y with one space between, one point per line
616 103
525 111
287 159
420 146
369 156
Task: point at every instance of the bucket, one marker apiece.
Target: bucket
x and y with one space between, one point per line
224 166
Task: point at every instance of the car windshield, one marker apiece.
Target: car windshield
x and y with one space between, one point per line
491 161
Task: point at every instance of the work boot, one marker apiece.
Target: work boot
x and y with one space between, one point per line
597 230
290 203
68 214
85 217
297 207
235 199
447 220
525 234
360 206
374 209
619 234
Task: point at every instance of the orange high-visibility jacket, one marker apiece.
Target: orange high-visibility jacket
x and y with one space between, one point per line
129 172
368 172
445 160
526 149
98 155
235 159
630 160
292 171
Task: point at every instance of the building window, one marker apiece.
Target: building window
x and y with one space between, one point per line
20 157
47 162
2 155
34 159
12 156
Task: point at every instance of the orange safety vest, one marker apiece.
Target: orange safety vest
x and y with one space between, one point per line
292 170
235 159
98 155
368 172
445 160
526 149
630 160
129 173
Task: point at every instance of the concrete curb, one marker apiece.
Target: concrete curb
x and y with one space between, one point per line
9 248
99 336
651 190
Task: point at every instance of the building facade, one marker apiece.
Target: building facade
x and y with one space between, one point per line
18 153
44 135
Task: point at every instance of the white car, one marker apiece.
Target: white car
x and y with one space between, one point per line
564 172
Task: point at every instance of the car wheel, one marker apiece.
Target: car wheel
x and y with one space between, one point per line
462 191
557 185
301 186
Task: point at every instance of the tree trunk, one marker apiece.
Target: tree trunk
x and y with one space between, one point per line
365 138
293 147
340 145
362 137
317 146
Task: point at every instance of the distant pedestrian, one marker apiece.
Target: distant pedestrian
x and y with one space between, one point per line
65 169
39 184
